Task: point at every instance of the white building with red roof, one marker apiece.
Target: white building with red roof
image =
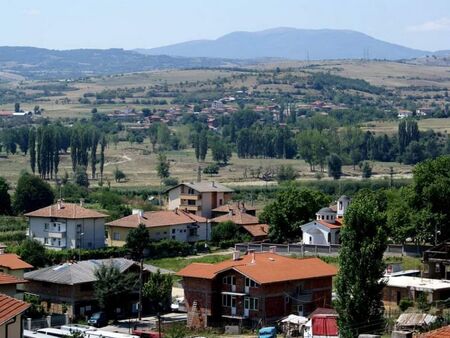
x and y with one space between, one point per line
67 226
325 229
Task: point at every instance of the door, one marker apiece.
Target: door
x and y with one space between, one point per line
246 307
233 306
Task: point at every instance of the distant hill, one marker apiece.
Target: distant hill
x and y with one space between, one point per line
290 43
40 63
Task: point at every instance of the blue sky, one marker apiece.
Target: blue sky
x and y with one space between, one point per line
64 24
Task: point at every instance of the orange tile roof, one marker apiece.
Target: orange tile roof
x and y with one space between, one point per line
66 210
329 225
10 279
267 268
158 219
257 230
228 207
237 217
443 332
10 307
13 262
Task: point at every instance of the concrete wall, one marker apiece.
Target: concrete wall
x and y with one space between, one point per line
174 198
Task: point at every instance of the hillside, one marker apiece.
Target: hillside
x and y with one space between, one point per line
290 43
40 63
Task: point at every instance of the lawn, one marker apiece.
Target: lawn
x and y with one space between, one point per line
177 263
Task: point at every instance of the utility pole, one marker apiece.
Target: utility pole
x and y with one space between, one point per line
140 288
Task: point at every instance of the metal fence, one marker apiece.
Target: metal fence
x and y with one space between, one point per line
328 250
54 320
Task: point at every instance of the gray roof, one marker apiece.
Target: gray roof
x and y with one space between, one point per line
327 210
83 271
206 186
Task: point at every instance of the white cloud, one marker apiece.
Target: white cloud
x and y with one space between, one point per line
32 12
441 24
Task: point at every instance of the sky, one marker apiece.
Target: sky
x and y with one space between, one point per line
128 24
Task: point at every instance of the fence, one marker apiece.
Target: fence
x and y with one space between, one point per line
328 250
49 321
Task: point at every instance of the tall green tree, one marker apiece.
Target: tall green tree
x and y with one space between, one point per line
359 282
5 199
203 145
32 193
94 144
33 252
158 290
334 166
163 166
137 241
112 287
103 144
32 148
292 208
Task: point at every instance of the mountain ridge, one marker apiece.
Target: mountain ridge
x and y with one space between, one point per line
290 43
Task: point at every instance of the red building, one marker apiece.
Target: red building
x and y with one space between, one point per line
255 288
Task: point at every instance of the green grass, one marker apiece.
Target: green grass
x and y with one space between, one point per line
177 263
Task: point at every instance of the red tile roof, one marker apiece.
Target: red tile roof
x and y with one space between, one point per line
443 332
234 207
10 308
13 262
158 219
266 268
237 217
257 230
336 225
10 279
66 210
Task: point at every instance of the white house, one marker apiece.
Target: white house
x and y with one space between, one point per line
325 229
199 198
67 226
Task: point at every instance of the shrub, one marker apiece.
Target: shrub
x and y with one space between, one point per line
404 304
170 181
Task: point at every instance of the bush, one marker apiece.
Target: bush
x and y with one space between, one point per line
286 173
211 169
404 304
170 181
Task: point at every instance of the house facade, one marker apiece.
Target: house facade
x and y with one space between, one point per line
325 229
199 198
166 224
11 264
70 286
436 262
257 287
67 226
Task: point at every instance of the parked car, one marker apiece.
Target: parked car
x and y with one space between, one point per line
98 319
267 332
143 333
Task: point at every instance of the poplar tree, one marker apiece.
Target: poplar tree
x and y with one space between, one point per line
103 144
359 282
32 149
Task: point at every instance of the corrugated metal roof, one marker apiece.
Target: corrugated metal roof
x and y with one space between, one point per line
415 319
82 272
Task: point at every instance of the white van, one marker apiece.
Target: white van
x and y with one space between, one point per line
78 328
52 332
107 334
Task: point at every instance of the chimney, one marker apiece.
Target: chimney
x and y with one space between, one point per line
59 204
236 255
251 252
273 249
213 184
81 202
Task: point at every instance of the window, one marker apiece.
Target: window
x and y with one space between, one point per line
191 191
193 232
251 303
226 300
47 241
250 283
229 280
191 202
300 310
46 226
329 237
173 231
437 268
173 236
220 201
116 236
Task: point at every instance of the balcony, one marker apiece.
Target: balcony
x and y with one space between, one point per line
53 234
185 206
190 197
55 227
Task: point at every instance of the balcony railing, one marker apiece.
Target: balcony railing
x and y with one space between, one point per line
191 197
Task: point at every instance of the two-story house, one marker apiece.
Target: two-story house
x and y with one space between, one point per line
436 262
67 226
165 224
199 198
11 311
257 287
69 287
